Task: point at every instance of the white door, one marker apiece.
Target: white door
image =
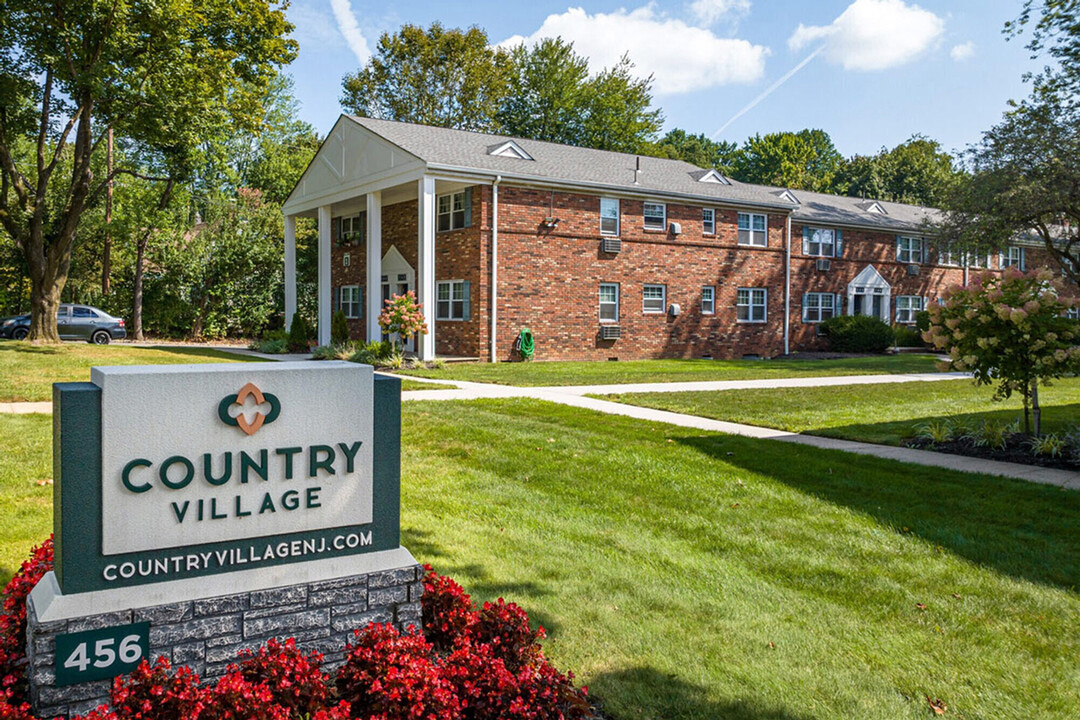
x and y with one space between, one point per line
398 278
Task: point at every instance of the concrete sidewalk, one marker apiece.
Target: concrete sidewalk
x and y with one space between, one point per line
576 397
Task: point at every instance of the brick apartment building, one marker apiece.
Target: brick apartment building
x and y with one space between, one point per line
602 255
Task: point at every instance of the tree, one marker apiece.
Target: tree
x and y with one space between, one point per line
546 93
698 150
806 160
1011 330
161 75
916 171
1055 29
448 78
403 317
617 111
1025 173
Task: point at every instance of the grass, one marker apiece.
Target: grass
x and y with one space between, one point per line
408 384
28 371
535 374
25 461
683 575
887 414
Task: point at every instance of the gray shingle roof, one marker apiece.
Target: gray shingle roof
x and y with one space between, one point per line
466 150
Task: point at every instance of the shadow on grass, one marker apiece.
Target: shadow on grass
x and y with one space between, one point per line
19 346
1058 419
1018 528
649 693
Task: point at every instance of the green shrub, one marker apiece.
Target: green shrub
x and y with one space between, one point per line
907 337
372 352
857 333
936 432
1051 446
994 435
922 321
339 328
271 347
299 334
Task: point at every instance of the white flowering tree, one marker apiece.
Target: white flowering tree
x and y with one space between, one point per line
1011 329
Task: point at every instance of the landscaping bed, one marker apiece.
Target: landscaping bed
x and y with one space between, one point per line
1017 449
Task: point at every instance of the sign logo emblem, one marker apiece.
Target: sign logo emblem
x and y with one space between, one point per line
239 399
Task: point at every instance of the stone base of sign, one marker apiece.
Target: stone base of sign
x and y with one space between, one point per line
207 634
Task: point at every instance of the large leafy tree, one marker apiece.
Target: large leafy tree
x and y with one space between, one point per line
619 114
162 75
916 171
804 160
435 76
547 93
698 150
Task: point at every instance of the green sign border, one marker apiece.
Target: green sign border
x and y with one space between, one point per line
77 496
67 642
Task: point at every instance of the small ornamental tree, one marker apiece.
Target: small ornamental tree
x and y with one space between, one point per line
1010 329
403 317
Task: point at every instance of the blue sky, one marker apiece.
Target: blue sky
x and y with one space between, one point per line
870 72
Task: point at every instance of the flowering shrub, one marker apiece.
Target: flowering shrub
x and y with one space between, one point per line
475 664
391 676
156 692
1010 329
403 317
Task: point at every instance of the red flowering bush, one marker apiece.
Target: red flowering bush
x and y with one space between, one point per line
391 676
296 680
447 610
403 316
156 692
470 664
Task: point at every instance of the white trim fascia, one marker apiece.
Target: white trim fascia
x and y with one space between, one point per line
349 192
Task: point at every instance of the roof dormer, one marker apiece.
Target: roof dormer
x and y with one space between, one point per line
873 207
711 176
509 149
787 196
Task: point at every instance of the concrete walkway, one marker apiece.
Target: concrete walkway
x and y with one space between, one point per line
575 396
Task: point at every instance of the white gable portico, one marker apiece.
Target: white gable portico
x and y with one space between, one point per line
355 169
869 294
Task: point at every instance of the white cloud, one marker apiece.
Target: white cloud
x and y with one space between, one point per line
709 12
314 28
962 52
350 29
874 34
682 58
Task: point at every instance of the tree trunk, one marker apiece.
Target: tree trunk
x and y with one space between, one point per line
1036 411
137 290
106 253
1027 410
44 306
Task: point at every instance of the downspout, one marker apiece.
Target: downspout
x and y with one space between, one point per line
787 286
495 266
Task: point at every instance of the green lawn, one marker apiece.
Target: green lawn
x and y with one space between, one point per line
408 384
684 575
633 371
27 371
886 414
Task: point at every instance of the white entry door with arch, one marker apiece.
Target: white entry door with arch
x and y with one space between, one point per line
398 278
869 294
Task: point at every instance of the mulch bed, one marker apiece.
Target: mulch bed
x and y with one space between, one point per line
1015 451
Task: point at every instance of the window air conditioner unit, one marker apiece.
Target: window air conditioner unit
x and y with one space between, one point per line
675 228
824 264
610 332
611 245
912 269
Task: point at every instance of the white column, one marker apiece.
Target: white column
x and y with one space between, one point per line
374 305
425 231
325 304
290 269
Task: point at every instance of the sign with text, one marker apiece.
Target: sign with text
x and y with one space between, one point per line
170 472
100 654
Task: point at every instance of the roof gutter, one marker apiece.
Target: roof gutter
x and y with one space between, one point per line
547 183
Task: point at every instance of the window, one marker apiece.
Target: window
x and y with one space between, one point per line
655 216
609 216
821 242
909 250
750 305
353 228
752 230
451 300
652 298
452 211
708 300
976 260
948 256
83 312
708 221
609 302
1013 257
350 300
906 307
818 307
1073 313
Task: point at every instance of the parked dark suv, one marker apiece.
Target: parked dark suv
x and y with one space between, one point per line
74 322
